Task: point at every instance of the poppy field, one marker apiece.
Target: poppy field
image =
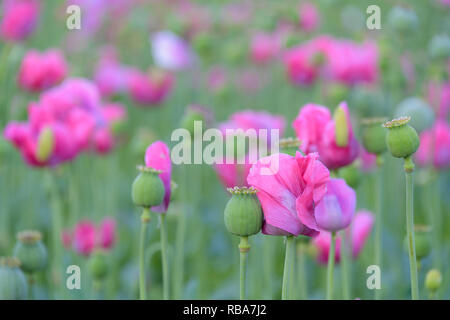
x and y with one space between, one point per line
224 150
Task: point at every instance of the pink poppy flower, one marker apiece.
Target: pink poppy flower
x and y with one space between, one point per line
157 157
67 238
439 98
309 126
233 174
19 20
302 64
40 71
150 89
435 146
107 233
309 16
332 155
264 47
84 237
250 119
357 234
336 210
289 188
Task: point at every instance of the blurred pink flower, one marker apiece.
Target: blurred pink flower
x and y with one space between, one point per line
71 112
336 210
233 174
157 157
309 16
289 188
332 155
19 20
309 126
103 140
150 89
171 51
107 233
84 237
435 146
40 71
302 63
67 238
358 232
217 78
264 47
439 98
368 160
110 76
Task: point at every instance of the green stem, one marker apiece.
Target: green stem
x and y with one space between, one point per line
331 257
378 224
302 279
345 267
145 219
56 269
409 169
287 267
244 247
165 269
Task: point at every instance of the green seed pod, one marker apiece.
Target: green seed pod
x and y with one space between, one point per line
13 284
243 214
147 189
290 146
97 265
422 241
31 252
374 135
45 145
351 174
401 139
433 280
421 113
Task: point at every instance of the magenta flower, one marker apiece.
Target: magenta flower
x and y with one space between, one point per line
19 20
150 89
358 232
157 157
434 146
264 47
336 210
233 174
40 71
68 115
289 188
309 16
84 237
110 76
439 98
332 155
309 126
257 120
107 233
302 64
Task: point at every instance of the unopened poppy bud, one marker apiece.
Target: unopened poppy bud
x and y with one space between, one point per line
147 189
97 265
422 241
433 280
45 145
13 285
243 213
401 139
31 252
290 146
374 135
341 127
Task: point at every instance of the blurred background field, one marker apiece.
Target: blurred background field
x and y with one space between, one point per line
94 186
